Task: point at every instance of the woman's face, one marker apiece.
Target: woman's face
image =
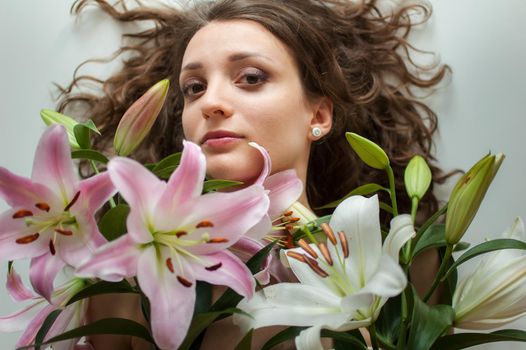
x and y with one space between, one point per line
241 84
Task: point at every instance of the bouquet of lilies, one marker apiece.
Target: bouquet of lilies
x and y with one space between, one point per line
165 233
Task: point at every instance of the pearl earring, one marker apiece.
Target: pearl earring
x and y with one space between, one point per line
316 132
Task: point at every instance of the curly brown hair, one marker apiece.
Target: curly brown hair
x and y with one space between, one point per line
346 50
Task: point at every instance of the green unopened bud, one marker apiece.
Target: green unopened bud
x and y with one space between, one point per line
51 117
368 151
417 177
467 195
139 118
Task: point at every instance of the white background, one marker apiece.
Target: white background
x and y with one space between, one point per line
481 109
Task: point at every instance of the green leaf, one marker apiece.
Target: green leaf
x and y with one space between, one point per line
388 322
119 326
91 125
284 335
486 247
369 152
46 326
358 191
460 246
102 287
432 237
345 337
166 166
90 155
428 323
203 294
386 207
82 133
113 224
466 340
212 185
246 342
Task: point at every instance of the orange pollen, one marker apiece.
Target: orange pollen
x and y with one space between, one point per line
204 223
22 213
43 206
289 227
297 256
289 241
214 267
294 219
28 239
64 232
307 248
181 234
218 240
315 267
73 201
328 232
344 243
325 252
170 265
184 281
287 213
52 247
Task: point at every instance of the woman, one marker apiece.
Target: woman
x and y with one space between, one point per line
290 75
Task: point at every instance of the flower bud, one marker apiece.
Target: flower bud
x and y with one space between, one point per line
417 177
467 195
51 117
369 152
139 118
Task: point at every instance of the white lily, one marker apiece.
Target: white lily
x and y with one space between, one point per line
493 294
343 283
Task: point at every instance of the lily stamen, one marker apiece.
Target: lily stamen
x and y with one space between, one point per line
73 201
325 252
297 256
307 248
22 213
52 247
28 239
43 206
329 232
313 264
64 232
214 267
170 265
204 223
344 243
217 240
184 281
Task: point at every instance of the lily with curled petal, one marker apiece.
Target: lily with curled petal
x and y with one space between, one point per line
175 237
51 219
494 293
343 282
31 318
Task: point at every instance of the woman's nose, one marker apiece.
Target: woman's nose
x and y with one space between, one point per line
216 103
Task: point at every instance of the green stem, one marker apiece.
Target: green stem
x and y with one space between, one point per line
309 234
403 323
443 268
374 338
428 223
392 189
96 170
414 208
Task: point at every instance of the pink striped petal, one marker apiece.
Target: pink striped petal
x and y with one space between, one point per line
141 189
19 320
53 166
10 231
261 229
186 181
17 290
285 188
28 337
223 268
42 273
96 190
172 304
113 261
19 191
245 249
267 164
75 249
232 215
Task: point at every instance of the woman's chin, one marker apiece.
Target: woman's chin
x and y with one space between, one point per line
235 166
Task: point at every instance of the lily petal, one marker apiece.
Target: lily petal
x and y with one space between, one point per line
11 231
284 188
245 249
19 191
17 290
401 231
96 190
53 166
20 319
42 273
267 165
29 335
309 339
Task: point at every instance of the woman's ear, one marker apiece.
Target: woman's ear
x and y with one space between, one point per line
321 122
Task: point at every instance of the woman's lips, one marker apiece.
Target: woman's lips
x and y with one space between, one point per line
220 139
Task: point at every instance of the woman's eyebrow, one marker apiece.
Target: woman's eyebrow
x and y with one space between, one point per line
238 56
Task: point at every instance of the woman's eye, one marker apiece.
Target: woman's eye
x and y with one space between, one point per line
252 76
192 88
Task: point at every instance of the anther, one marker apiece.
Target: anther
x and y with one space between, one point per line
307 248
325 252
22 213
297 256
43 206
184 281
315 267
28 239
52 247
181 234
328 232
214 267
289 241
73 201
294 219
170 265
218 240
289 227
204 223
287 213
344 243
64 232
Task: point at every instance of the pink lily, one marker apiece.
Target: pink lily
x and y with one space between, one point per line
31 318
175 237
51 216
